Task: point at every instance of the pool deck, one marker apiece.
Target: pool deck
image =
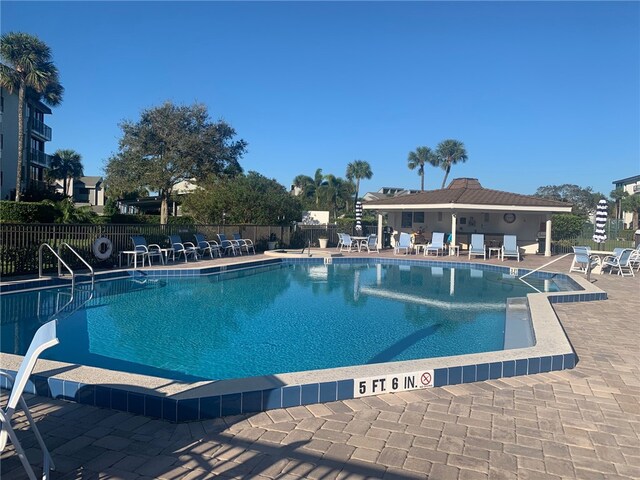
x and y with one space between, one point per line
582 423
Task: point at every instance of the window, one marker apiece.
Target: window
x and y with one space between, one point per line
418 217
439 216
406 219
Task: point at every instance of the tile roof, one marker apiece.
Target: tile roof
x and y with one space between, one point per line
468 191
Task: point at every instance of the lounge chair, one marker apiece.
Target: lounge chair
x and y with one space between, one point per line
44 338
245 243
621 262
436 244
340 240
205 245
178 247
583 260
510 247
141 249
229 245
371 243
634 260
477 246
403 243
348 243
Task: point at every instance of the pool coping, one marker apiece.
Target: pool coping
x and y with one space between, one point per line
179 401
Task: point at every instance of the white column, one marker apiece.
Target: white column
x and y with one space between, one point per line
547 239
454 222
380 231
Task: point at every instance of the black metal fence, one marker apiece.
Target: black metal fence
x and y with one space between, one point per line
19 243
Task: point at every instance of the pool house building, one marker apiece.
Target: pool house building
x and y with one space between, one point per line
465 207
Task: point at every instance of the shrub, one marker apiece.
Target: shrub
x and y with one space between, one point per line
26 212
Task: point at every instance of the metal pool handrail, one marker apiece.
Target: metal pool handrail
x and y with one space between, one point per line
535 270
62 262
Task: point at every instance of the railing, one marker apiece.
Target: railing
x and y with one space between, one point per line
41 129
41 158
61 263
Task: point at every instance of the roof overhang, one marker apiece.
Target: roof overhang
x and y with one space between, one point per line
467 206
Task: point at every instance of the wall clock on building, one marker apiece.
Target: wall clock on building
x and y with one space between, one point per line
509 217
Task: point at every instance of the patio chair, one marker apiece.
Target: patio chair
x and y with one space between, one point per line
340 240
44 338
477 246
403 243
371 243
245 243
583 260
348 243
205 245
621 262
436 244
510 247
178 247
634 260
141 249
229 245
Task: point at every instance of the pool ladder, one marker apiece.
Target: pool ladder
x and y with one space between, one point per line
62 263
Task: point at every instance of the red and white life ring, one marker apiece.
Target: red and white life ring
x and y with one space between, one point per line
102 248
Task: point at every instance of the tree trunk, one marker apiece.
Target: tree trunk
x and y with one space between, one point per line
446 174
21 93
164 209
422 181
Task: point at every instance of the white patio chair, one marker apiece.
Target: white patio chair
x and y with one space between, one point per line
436 244
348 243
371 243
583 260
620 261
403 243
477 246
229 245
510 247
245 243
141 249
205 245
179 247
45 337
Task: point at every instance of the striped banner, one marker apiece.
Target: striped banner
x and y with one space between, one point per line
359 216
600 234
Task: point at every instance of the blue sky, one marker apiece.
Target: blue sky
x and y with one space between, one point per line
541 93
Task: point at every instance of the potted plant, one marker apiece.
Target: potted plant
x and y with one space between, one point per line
272 242
322 240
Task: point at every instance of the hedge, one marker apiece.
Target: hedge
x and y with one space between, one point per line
26 212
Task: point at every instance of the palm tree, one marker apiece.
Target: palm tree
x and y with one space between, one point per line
66 164
30 71
358 169
419 159
319 181
450 152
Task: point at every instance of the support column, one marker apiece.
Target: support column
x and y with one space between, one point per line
380 231
454 221
547 238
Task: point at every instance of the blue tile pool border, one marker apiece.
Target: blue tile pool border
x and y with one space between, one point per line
252 401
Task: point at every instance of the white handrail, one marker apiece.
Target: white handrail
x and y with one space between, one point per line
64 244
549 263
60 261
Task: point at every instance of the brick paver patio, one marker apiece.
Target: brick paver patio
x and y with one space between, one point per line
582 423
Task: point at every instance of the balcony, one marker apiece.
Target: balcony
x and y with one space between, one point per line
40 158
40 129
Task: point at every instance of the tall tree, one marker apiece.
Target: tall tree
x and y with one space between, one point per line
171 144
450 152
306 185
631 203
617 195
584 200
27 68
419 158
66 165
319 181
357 170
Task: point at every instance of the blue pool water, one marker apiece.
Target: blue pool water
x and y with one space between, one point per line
276 319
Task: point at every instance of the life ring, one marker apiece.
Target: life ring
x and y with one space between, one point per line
102 248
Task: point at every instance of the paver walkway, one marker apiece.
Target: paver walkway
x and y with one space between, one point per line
582 423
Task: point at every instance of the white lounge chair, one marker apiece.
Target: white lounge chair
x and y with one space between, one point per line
205 245
45 337
348 243
141 249
477 246
583 260
403 243
621 262
178 247
436 244
340 240
245 243
371 243
510 247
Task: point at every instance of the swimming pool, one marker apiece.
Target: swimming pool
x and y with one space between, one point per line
389 316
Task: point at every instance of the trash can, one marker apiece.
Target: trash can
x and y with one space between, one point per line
541 244
386 237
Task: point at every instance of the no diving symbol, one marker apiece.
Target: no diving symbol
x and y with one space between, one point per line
425 378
